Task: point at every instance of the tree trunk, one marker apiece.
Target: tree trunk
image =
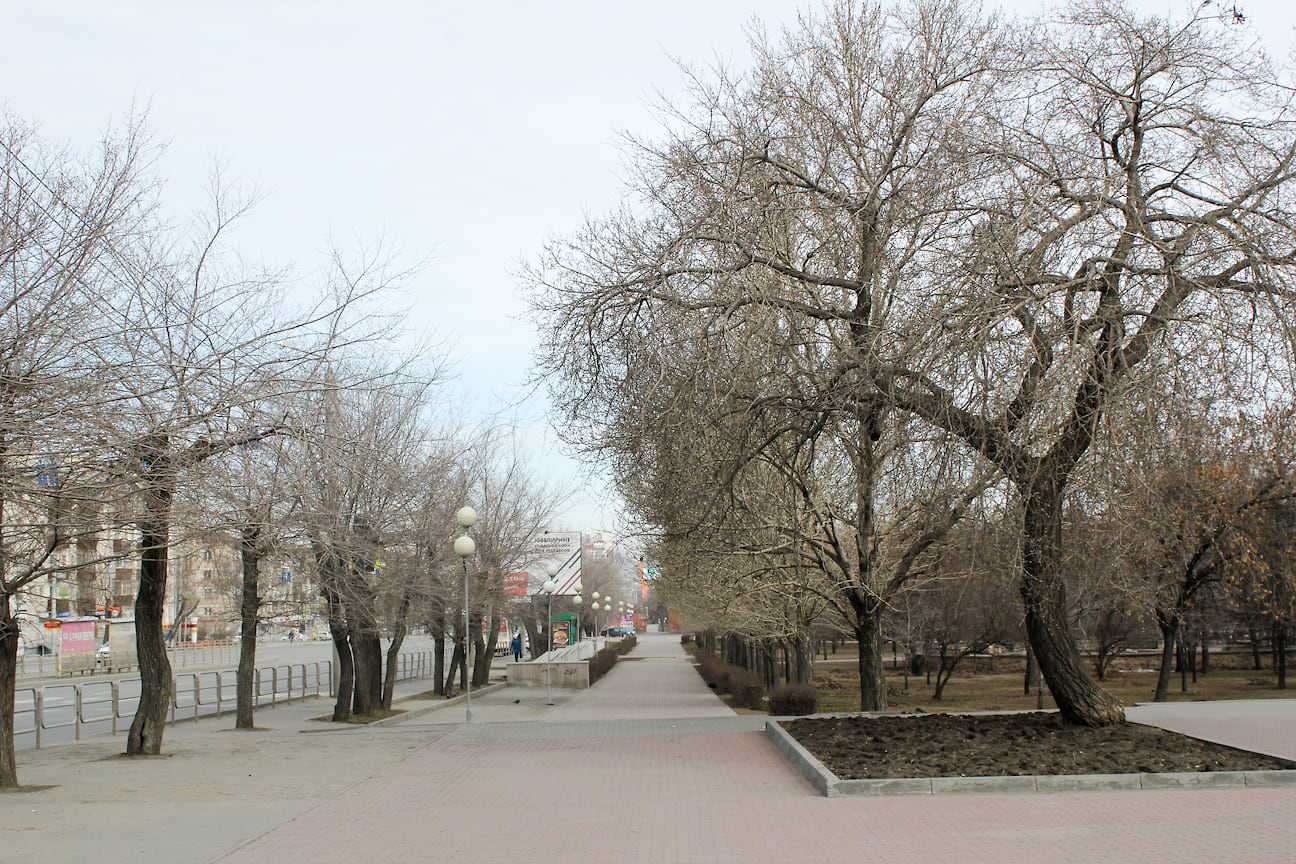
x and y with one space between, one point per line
399 629
803 659
249 610
1168 624
8 685
145 735
868 633
1079 698
438 654
1280 654
393 667
1032 672
456 665
486 653
366 672
345 673
535 637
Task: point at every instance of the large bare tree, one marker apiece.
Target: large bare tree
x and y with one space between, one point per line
62 220
984 227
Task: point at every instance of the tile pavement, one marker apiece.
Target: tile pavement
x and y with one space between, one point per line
648 766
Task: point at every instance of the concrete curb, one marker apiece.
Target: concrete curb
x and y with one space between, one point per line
435 705
833 787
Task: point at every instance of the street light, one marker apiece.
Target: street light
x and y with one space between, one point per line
595 608
576 601
465 548
551 570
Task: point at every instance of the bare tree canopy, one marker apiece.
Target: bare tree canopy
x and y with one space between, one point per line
979 224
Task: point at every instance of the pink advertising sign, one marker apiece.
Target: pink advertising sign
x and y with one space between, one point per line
77 637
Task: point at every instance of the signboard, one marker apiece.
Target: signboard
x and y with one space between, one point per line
515 584
77 637
561 548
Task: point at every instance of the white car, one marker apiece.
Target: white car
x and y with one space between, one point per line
102 652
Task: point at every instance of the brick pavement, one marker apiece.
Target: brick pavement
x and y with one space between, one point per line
648 766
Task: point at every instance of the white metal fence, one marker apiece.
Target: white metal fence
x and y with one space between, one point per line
62 712
72 665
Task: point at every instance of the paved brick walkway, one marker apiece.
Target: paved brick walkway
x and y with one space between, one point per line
650 767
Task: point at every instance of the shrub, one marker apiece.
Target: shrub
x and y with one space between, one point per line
686 639
601 663
793 699
627 644
746 687
712 669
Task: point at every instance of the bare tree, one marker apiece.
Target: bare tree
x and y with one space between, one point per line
736 319
62 222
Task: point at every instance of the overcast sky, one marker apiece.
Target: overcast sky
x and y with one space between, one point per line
462 133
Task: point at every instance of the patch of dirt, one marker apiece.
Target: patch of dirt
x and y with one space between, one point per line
999 745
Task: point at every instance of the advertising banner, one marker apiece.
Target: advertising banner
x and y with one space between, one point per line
563 550
77 637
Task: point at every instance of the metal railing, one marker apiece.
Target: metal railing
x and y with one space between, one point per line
74 665
105 707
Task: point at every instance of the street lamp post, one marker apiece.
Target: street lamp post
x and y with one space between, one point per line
464 547
576 601
594 607
551 570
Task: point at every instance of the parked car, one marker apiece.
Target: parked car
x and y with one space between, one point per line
616 632
101 654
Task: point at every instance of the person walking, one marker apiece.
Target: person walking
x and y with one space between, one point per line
516 645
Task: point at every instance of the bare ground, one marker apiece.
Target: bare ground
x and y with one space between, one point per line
961 745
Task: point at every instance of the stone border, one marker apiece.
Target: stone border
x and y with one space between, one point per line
433 705
833 787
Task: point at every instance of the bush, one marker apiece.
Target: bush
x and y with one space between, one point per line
627 644
602 663
686 639
712 669
746 687
792 699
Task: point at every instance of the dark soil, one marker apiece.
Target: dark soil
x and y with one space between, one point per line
959 745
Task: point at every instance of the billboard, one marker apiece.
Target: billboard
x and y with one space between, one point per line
515 584
563 549
77 637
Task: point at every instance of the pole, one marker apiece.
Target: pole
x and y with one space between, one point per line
549 657
467 649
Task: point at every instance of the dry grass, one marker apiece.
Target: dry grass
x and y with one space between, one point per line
980 690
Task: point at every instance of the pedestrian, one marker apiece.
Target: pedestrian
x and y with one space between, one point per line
516 645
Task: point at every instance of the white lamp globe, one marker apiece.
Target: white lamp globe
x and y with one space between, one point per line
466 517
464 546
